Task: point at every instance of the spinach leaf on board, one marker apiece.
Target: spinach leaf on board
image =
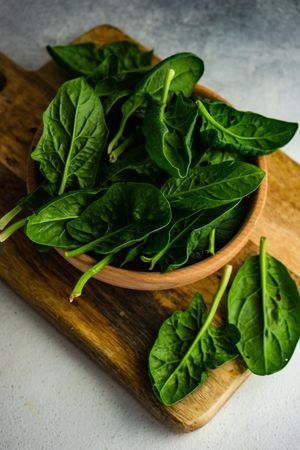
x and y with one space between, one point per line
212 186
168 131
129 55
78 59
85 59
188 69
188 346
73 138
49 225
264 304
120 218
249 133
187 234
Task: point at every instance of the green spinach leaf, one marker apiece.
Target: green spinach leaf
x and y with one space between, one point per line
264 304
249 133
78 59
73 138
188 346
49 225
168 131
212 186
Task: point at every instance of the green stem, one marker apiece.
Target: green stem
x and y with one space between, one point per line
212 241
216 300
89 274
168 80
8 217
214 306
117 136
121 149
10 230
263 281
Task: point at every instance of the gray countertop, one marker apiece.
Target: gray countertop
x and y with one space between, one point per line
51 395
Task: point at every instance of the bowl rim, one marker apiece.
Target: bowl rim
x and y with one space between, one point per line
142 280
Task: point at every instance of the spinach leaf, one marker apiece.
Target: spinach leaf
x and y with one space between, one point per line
212 186
78 59
187 234
73 138
249 133
264 304
188 69
49 225
120 218
188 346
168 131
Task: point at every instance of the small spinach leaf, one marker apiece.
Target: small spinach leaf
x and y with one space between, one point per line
78 59
264 304
249 133
188 346
168 131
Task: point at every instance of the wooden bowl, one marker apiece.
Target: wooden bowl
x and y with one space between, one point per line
133 279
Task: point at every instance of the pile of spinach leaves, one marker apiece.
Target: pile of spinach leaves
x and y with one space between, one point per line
133 167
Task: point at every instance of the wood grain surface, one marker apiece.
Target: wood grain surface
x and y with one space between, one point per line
118 326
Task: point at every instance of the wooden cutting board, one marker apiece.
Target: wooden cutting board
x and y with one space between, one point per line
117 326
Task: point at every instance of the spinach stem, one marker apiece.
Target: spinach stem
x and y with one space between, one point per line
11 229
263 281
212 242
8 217
89 274
213 309
168 80
216 300
119 150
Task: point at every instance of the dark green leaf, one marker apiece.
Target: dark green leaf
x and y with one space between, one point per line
249 133
48 226
73 138
187 347
212 186
78 59
264 304
168 133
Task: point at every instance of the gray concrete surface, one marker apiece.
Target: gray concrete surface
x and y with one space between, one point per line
51 395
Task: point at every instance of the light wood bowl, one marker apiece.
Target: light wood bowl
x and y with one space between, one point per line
132 279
